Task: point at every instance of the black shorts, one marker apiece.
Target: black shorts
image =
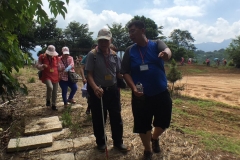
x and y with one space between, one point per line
148 110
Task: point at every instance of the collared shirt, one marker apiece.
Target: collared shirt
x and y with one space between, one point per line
63 64
104 68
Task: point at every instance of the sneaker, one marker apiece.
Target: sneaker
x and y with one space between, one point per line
48 103
71 101
122 148
101 148
54 108
155 145
147 155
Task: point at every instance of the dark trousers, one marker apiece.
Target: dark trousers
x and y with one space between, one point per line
111 104
64 86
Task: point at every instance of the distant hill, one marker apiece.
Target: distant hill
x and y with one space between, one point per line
211 46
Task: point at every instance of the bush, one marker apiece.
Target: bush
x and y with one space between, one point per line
231 63
31 80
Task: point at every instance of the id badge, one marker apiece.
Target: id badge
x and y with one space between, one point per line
144 67
51 70
108 77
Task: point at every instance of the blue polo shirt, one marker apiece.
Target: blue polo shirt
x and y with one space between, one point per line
154 79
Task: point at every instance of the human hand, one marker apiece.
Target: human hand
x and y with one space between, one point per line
44 65
84 80
163 55
98 92
68 69
137 93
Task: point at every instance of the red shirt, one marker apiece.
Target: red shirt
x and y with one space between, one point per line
51 71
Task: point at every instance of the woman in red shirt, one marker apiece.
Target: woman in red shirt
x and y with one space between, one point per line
48 64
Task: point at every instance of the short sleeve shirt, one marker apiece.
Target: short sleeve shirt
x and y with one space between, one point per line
104 68
154 80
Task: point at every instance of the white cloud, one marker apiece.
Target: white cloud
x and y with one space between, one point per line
193 2
183 15
159 2
78 11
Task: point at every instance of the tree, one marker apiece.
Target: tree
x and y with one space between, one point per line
152 30
173 75
45 35
184 42
233 51
78 35
17 15
120 36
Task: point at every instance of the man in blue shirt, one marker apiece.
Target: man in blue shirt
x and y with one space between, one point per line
143 62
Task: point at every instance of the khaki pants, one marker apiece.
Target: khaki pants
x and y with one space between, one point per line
51 91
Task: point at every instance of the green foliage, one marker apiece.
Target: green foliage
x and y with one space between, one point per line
31 80
15 17
233 50
182 43
120 37
77 35
66 118
231 63
173 75
152 30
202 56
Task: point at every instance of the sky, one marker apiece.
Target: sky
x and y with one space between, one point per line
206 20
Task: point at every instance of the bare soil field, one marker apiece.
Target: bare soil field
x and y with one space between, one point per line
219 87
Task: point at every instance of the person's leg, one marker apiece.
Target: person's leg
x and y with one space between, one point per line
64 87
112 102
54 94
162 109
146 139
97 120
88 111
142 121
49 92
73 87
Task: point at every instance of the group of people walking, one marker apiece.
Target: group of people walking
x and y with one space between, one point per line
55 71
142 63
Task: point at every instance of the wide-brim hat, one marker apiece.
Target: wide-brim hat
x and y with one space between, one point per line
51 51
65 50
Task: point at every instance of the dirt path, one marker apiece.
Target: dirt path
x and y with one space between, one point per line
219 87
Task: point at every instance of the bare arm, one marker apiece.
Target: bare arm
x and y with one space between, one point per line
82 68
131 84
166 54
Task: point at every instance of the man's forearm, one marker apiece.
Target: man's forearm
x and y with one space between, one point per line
129 81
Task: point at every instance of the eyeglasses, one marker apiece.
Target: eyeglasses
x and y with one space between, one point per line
132 31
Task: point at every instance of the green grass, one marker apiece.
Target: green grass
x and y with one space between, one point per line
31 80
180 112
215 142
196 71
178 101
67 118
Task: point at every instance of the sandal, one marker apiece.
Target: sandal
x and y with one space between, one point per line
71 101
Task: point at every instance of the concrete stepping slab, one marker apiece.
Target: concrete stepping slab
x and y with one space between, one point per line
81 141
43 125
64 133
66 144
64 156
26 143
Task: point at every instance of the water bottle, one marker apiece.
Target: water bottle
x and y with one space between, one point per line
139 87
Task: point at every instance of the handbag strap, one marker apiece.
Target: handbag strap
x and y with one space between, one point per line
64 63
